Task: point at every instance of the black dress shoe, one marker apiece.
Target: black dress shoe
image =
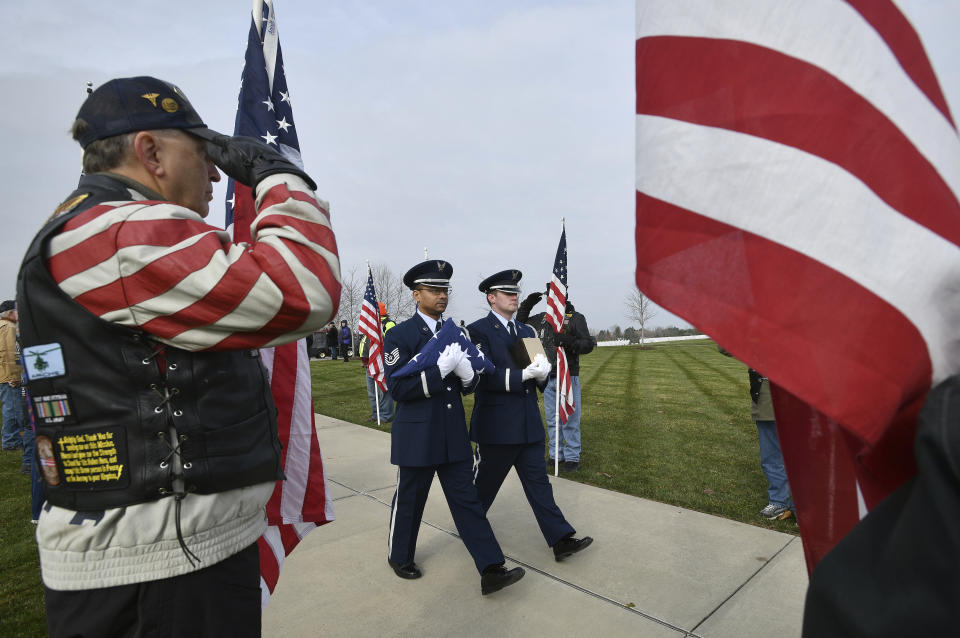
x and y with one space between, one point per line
496 577
569 546
570 466
410 571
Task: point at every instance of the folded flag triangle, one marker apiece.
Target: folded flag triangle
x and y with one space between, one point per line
448 334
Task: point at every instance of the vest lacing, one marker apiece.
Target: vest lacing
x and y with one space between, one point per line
172 440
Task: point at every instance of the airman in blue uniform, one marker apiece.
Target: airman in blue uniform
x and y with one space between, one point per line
506 421
429 436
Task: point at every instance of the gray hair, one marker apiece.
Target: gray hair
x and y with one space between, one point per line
102 155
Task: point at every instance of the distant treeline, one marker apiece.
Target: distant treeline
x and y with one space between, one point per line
632 334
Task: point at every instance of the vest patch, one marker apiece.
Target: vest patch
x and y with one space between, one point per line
44 361
53 409
69 205
94 458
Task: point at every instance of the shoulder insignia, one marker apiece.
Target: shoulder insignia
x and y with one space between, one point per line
391 358
69 205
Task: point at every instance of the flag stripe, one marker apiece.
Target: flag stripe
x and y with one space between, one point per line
270 558
819 32
282 377
895 29
862 379
837 221
791 102
222 299
281 193
298 457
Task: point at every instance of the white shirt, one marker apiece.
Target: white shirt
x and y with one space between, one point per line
505 321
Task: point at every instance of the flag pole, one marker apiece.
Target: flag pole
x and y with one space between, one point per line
556 426
556 408
376 388
425 256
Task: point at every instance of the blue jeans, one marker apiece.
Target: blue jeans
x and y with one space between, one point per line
386 401
569 431
12 416
771 462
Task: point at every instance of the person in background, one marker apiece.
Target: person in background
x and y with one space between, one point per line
576 340
346 340
779 502
10 372
333 340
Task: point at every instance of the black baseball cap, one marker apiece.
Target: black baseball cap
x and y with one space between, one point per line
143 103
9 304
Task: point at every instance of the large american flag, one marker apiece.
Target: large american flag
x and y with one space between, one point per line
301 502
797 179
556 307
371 327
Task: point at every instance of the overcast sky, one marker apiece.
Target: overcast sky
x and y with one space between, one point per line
467 127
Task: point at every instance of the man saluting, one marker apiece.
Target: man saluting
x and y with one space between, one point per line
429 436
506 415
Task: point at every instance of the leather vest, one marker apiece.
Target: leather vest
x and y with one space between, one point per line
122 419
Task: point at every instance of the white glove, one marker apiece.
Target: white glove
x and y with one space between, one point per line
464 370
449 358
539 369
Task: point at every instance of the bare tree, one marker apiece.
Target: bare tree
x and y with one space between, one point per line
640 309
352 284
392 292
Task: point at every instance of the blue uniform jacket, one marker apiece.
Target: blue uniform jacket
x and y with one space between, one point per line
429 427
506 410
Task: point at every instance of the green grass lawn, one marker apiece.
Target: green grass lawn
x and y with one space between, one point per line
21 594
671 424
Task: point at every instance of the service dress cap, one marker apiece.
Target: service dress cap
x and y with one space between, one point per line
435 273
504 281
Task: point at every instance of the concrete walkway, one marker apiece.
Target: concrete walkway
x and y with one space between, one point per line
653 570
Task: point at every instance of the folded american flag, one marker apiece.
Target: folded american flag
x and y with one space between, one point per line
448 334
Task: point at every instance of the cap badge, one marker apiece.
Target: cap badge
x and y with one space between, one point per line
152 97
169 105
515 275
441 265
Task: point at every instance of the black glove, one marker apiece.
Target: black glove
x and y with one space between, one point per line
523 312
249 160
